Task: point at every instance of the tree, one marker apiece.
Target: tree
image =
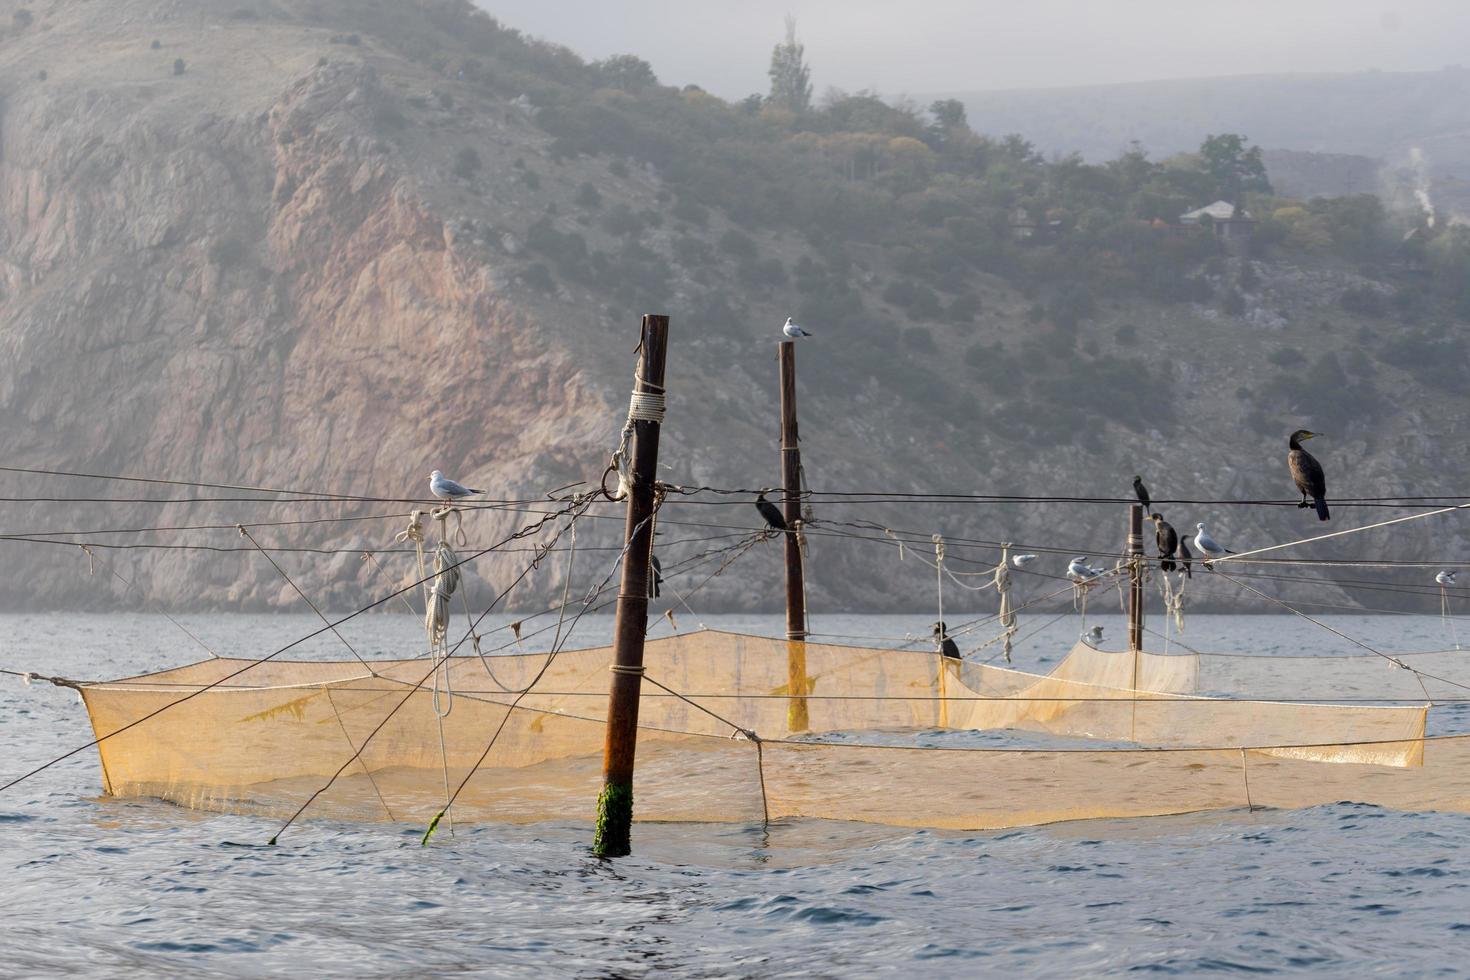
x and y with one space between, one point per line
791 79
1234 168
949 121
627 72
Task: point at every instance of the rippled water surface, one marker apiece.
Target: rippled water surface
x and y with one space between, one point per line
121 888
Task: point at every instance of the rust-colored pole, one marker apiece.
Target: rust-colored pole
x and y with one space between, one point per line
615 803
1135 579
1135 602
796 712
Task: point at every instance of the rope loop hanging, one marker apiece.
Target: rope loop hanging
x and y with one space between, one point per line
643 406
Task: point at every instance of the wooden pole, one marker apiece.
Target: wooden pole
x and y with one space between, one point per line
796 712
615 803
1135 602
1135 578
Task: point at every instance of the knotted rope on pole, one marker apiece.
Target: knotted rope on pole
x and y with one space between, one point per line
643 406
1007 615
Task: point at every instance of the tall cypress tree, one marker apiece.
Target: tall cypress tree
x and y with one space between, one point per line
791 79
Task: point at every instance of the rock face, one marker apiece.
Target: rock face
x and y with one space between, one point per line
256 289
306 264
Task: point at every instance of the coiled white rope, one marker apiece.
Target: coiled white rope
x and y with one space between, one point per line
643 406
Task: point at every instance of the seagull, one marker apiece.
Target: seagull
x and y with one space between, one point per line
444 488
1021 561
1445 577
1208 546
1168 541
1307 473
793 331
1142 492
770 512
1079 571
1093 637
947 647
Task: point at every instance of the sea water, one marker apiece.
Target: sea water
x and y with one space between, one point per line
98 887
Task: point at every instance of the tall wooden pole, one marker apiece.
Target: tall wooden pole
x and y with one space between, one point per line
615 803
1135 602
1135 577
796 712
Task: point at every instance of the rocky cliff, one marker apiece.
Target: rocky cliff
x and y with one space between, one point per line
241 246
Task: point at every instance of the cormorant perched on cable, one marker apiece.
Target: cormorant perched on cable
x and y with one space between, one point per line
947 646
1308 475
770 512
1185 557
1142 492
1168 542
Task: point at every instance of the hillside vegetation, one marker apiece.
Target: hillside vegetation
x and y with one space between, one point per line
357 240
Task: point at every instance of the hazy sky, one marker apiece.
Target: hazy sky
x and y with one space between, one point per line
925 46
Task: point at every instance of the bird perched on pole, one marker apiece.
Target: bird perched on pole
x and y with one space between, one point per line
793 331
1208 546
1445 577
1021 561
1307 474
947 646
1186 558
444 488
770 512
1168 541
1142 492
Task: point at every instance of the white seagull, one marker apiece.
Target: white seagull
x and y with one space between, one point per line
1079 571
1208 546
444 488
1445 577
793 331
1021 561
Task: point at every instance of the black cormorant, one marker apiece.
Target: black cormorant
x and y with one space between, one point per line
1308 475
770 512
946 645
1185 558
1142 492
1168 542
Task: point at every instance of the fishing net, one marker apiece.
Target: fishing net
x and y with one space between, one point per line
1438 676
819 730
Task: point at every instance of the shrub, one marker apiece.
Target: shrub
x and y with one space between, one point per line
738 244
588 196
22 18
1286 357
156 44
1127 335
621 220
538 277
467 162
178 66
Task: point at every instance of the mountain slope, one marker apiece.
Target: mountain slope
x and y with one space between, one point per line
325 259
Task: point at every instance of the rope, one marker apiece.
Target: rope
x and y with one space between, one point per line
1338 534
523 532
1003 586
244 533
30 676
1393 660
643 406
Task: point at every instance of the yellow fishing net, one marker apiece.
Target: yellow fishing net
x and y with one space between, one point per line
266 740
1440 676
